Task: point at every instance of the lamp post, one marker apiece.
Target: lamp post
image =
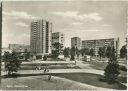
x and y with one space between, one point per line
75 53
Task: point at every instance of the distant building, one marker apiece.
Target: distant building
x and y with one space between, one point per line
76 42
96 44
41 31
19 47
58 37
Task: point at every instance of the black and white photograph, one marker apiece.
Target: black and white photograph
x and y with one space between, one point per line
63 45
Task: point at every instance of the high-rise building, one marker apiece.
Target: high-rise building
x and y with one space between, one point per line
96 44
58 37
76 42
41 31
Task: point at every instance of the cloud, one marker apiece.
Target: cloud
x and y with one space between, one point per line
106 25
19 15
21 24
77 23
81 30
77 16
26 35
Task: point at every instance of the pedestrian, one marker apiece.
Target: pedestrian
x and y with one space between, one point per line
49 77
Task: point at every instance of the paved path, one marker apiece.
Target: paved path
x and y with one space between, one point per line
48 62
93 71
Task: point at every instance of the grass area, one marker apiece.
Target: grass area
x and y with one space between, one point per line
123 77
102 65
40 83
91 79
97 65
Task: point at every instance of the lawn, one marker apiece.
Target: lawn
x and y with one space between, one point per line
102 65
91 79
97 65
41 83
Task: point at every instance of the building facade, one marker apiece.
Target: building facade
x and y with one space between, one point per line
96 44
19 47
40 40
58 37
76 42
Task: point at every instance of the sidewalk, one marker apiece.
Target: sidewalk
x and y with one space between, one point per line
93 71
49 62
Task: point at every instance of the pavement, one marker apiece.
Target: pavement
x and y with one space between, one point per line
93 71
49 62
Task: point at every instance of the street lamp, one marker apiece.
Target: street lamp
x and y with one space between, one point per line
75 53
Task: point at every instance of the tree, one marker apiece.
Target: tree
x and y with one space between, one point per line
57 49
108 52
12 64
73 53
91 52
112 69
123 51
45 58
84 51
100 52
26 54
87 50
66 52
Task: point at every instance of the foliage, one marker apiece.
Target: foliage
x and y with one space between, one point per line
26 54
73 53
123 68
101 52
45 58
108 52
123 51
85 51
77 51
57 49
112 69
66 52
91 52
12 64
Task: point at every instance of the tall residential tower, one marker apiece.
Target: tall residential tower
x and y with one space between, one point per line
41 31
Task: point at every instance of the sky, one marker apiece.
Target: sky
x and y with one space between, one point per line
84 19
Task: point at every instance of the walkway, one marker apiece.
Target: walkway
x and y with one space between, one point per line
93 71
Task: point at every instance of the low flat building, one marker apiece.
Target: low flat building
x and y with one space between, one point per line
96 44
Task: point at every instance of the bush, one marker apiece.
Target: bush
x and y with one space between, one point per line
123 68
45 58
112 69
12 64
112 72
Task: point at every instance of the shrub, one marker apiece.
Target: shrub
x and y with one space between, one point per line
123 68
45 58
112 69
12 64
